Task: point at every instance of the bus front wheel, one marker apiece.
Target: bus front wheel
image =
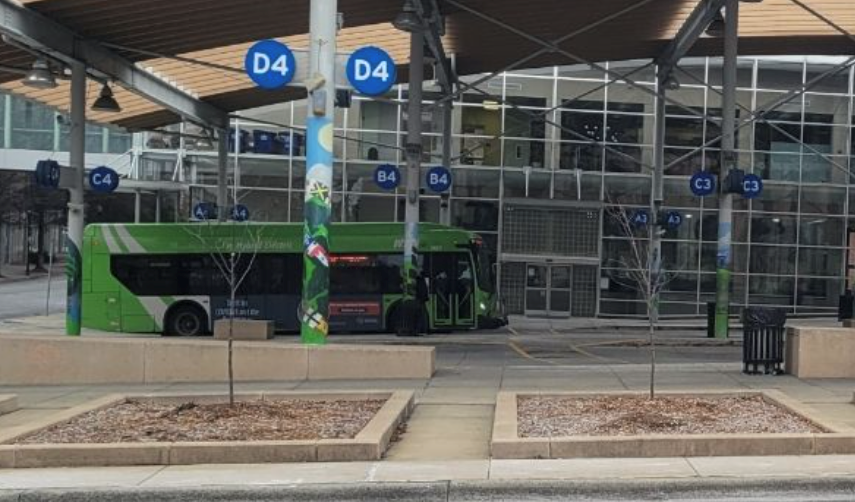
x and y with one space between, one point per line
186 320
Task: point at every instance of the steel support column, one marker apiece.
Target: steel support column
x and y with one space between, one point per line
314 308
445 203
658 195
414 158
74 238
222 173
728 162
137 206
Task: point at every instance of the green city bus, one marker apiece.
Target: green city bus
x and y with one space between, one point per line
165 278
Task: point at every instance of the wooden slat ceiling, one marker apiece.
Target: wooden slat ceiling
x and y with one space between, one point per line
219 31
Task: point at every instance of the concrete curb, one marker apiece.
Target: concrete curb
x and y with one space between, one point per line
506 443
443 491
369 444
8 403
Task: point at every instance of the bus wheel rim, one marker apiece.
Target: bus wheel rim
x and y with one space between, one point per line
187 321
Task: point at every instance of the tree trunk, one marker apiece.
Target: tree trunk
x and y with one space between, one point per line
231 333
652 344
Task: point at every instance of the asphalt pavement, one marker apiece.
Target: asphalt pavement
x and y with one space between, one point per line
30 297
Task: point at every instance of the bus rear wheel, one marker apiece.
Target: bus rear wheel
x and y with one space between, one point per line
186 320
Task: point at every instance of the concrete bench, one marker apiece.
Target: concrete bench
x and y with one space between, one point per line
243 329
820 352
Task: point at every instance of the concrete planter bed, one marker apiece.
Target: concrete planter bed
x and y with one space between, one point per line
386 410
519 431
8 403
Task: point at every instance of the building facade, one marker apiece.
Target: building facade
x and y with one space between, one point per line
544 167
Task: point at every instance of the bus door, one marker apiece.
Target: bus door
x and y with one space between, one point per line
452 290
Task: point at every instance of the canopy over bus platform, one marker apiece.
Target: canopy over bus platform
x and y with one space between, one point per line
147 47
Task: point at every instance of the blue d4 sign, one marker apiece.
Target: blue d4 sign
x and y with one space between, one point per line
103 180
702 184
438 179
205 211
371 71
270 64
240 213
387 177
639 218
752 186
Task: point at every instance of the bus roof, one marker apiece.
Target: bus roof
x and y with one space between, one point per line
169 238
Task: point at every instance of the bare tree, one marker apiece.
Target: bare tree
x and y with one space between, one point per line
643 268
233 253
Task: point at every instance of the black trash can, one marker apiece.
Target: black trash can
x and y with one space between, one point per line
763 340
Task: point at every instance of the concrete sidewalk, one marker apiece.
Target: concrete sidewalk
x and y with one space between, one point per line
734 469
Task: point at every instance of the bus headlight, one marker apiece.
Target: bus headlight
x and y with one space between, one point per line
482 306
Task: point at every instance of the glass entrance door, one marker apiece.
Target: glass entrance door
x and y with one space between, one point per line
548 290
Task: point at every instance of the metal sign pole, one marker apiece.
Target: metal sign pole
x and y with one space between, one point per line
49 275
74 240
314 308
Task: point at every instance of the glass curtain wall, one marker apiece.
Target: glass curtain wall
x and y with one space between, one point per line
577 136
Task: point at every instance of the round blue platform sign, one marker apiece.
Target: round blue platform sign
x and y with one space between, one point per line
438 179
103 179
270 64
673 219
240 213
702 184
639 218
752 186
371 71
205 211
387 176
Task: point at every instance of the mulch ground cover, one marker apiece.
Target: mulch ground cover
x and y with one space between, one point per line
547 416
134 421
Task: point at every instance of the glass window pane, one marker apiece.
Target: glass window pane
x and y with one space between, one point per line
771 290
476 215
822 231
32 125
823 200
819 292
821 261
773 229
777 197
774 260
476 183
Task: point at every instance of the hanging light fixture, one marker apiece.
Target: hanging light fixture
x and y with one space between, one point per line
106 102
40 76
671 83
408 20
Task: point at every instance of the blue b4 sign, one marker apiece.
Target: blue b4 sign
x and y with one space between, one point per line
371 71
702 184
103 179
439 179
752 186
270 64
387 177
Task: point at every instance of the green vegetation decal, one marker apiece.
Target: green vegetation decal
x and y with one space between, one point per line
73 272
314 309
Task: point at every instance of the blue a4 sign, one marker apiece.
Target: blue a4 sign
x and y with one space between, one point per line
270 64
371 71
240 213
103 179
438 179
387 176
